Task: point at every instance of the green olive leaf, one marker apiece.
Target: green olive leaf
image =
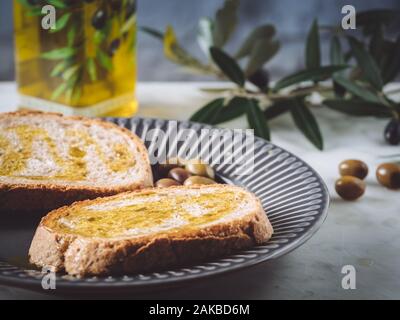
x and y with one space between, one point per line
71 35
233 109
357 90
367 64
308 75
104 59
336 54
228 66
264 32
209 112
60 53
91 69
391 62
59 4
205 35
174 52
225 22
69 72
278 108
313 48
376 16
59 68
306 122
358 108
152 32
256 119
263 50
61 22
129 24
59 91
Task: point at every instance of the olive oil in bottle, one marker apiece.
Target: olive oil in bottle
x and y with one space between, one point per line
84 63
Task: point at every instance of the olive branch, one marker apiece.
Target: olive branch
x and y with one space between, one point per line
352 82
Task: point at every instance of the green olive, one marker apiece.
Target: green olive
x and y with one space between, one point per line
350 188
354 168
198 180
178 174
166 182
388 175
200 169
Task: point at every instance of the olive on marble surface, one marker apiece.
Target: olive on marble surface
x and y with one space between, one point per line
388 175
354 168
350 188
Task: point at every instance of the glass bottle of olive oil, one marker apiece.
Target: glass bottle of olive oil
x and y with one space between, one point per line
76 56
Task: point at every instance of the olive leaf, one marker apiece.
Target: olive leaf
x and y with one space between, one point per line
366 63
264 32
209 112
306 122
59 4
153 32
391 63
60 53
377 44
262 51
337 58
91 68
61 22
357 90
308 75
358 108
233 109
71 35
127 26
278 108
205 35
336 54
225 22
59 91
104 59
215 90
313 49
228 66
256 120
70 72
35 12
59 68
376 16
174 52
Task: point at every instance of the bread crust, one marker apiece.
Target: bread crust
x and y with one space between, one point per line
40 198
82 256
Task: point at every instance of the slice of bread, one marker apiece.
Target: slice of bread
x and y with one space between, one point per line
149 230
48 160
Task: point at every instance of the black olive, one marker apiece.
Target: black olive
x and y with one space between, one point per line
260 78
392 132
115 5
99 19
114 45
340 91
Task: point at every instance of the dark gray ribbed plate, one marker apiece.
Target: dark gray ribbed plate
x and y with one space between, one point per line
293 195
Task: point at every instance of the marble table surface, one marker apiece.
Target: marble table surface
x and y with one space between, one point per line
364 233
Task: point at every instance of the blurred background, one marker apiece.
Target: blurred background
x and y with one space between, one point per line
291 18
